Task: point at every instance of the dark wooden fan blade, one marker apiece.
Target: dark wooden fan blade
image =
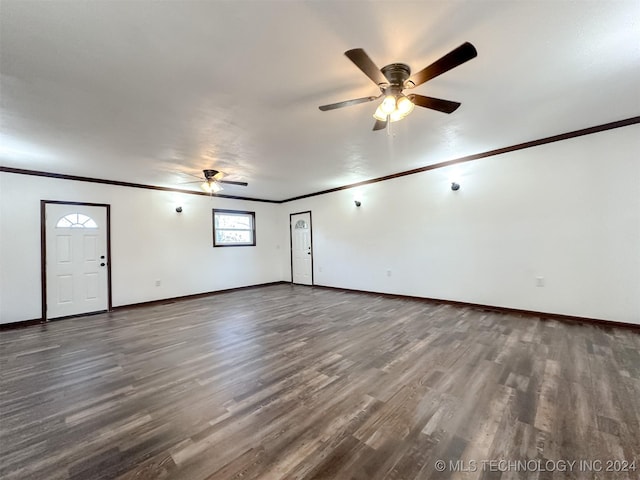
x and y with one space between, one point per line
379 125
364 63
458 56
446 106
346 103
189 174
230 182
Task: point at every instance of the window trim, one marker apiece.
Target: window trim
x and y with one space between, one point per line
236 212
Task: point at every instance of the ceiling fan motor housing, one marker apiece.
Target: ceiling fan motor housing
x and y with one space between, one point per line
397 74
210 174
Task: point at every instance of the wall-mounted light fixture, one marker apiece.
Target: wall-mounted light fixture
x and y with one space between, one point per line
179 209
455 186
357 202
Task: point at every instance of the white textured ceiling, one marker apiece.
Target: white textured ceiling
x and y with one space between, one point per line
139 91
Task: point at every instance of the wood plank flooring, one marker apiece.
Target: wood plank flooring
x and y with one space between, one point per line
297 382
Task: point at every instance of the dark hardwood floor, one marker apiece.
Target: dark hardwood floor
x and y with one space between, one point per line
298 382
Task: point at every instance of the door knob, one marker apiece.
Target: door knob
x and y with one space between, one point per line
102 264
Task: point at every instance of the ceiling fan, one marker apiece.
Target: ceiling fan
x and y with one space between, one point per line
212 180
396 77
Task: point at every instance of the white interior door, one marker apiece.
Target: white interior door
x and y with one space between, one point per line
301 249
76 259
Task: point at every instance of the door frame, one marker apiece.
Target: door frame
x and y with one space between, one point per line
43 252
291 241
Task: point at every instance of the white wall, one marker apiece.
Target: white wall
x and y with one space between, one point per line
150 242
567 211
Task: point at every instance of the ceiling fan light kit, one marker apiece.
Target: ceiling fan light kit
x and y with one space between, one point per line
211 186
395 77
398 107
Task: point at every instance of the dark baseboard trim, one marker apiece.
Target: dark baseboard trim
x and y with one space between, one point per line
491 308
21 324
494 308
163 301
167 301
41 321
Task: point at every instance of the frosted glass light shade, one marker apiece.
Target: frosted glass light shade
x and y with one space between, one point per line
380 115
388 105
211 187
396 115
405 106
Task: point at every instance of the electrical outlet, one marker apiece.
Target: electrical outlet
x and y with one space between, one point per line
539 281
320 269
158 283
388 273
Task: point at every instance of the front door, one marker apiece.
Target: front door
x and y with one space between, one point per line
76 262
301 248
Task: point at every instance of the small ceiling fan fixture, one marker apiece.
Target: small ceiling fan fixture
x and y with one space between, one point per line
213 180
394 78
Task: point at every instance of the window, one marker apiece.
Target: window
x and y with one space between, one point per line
76 220
234 228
